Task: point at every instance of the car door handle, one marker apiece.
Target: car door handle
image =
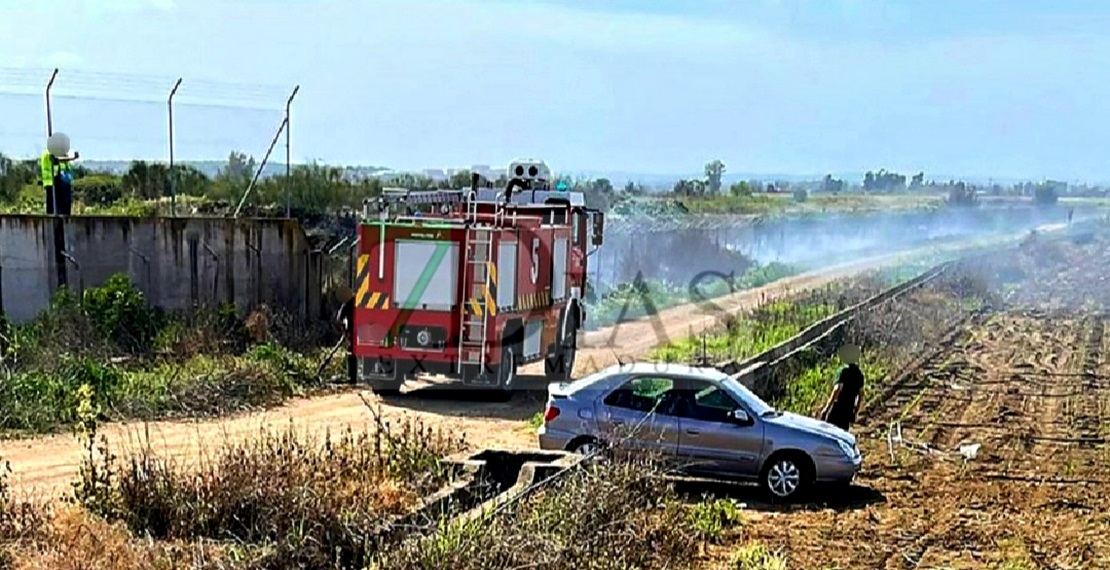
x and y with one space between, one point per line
693 431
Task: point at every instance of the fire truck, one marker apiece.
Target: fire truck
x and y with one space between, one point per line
473 283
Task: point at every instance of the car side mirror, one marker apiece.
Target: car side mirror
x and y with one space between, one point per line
740 417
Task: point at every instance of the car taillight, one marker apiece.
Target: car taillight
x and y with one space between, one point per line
550 413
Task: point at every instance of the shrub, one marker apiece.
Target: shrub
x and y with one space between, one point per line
757 557
119 311
197 364
310 503
710 518
98 189
801 195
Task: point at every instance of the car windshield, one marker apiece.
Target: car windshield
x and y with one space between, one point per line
754 403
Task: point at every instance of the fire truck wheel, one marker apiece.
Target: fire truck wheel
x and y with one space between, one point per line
506 371
386 387
389 386
562 361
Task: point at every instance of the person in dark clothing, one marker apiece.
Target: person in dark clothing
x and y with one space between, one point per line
346 318
847 394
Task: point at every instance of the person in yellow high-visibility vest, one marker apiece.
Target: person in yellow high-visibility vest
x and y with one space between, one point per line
57 177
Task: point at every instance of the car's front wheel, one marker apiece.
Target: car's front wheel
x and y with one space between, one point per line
591 448
786 475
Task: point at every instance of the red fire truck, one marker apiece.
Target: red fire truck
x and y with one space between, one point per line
473 283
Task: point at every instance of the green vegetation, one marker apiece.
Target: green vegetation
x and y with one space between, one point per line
749 335
806 393
146 363
885 333
769 324
755 556
890 335
807 203
711 518
314 191
631 301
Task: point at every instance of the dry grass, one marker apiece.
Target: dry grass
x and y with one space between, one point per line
74 539
618 515
302 515
298 501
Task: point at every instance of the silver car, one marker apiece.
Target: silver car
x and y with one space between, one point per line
701 419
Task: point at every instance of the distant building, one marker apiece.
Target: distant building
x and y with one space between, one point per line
436 174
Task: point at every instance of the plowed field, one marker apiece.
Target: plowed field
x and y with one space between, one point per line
1034 391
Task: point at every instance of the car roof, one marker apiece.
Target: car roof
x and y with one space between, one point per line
603 376
675 368
606 379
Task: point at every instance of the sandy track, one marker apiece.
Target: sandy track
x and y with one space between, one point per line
43 467
1032 391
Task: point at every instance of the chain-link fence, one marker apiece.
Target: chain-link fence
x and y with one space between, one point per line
114 119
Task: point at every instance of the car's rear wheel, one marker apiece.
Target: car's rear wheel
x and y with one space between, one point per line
786 476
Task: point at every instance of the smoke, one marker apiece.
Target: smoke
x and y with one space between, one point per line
676 250
1059 274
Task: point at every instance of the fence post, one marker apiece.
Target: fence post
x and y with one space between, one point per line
172 173
216 276
49 113
147 281
289 148
80 277
256 272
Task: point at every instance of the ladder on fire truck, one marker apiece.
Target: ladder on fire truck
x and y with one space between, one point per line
474 328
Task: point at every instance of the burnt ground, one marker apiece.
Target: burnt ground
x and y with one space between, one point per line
1034 391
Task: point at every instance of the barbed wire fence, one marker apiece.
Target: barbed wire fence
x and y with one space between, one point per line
113 119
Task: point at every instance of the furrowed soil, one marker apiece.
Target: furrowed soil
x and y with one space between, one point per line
1033 389
44 467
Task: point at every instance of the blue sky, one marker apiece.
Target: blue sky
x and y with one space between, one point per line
1011 88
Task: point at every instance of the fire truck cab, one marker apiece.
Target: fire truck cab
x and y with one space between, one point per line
473 283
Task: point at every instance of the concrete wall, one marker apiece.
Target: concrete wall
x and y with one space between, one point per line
177 262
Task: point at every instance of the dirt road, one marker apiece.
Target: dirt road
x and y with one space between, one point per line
43 467
1033 392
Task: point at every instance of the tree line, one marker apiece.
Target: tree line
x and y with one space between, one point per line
314 190
879 181
311 190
